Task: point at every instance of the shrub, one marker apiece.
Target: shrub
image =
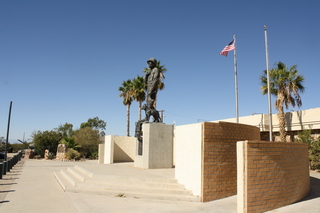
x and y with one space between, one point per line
305 136
94 155
51 156
73 154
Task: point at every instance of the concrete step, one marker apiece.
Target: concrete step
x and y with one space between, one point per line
138 195
135 188
136 179
130 181
76 174
62 180
77 179
84 171
70 176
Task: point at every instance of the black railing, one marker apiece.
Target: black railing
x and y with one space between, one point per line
7 165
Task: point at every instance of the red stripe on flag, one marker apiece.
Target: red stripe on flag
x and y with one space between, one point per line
228 48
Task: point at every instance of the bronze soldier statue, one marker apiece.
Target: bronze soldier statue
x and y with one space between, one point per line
151 80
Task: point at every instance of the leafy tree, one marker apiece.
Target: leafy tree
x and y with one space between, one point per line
3 144
138 92
46 140
88 139
162 70
126 93
66 129
95 123
286 84
305 136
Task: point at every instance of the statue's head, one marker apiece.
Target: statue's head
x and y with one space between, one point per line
152 62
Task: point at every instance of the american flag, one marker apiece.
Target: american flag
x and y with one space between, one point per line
228 48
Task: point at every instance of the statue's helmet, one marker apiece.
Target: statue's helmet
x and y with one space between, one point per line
153 60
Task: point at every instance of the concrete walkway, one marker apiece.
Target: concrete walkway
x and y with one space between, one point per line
31 187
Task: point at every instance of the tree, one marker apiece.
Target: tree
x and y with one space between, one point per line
95 123
138 92
286 84
46 140
66 129
313 142
126 93
2 144
88 139
162 70
70 143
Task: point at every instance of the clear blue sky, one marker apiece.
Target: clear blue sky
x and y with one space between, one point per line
64 60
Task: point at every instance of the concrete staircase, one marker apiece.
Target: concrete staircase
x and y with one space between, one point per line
77 179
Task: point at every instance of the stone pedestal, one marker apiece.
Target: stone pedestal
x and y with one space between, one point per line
61 152
46 154
157 147
28 154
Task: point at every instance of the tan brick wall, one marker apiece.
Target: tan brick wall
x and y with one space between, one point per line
219 157
276 174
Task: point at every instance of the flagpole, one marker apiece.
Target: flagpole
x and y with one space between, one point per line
268 81
236 78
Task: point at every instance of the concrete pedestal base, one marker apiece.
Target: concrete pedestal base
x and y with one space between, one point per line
157 147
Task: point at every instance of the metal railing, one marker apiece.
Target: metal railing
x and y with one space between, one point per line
8 164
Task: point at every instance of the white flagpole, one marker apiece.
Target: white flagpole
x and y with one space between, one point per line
236 78
268 81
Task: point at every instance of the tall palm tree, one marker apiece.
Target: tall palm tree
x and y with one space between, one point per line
126 93
286 84
138 92
162 70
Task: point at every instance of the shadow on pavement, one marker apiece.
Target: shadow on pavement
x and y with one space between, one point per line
10 178
7 191
2 184
314 191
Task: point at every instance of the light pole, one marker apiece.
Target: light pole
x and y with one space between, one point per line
7 139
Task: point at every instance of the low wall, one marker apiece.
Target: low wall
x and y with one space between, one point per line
188 145
117 149
124 149
271 174
101 154
219 157
205 157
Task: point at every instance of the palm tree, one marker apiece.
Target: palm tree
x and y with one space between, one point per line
138 92
162 70
286 84
126 93
70 142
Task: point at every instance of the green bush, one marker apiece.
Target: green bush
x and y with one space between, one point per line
94 155
51 156
73 154
305 136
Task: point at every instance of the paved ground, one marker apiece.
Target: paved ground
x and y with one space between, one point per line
31 187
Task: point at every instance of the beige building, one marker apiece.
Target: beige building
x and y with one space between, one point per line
295 121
